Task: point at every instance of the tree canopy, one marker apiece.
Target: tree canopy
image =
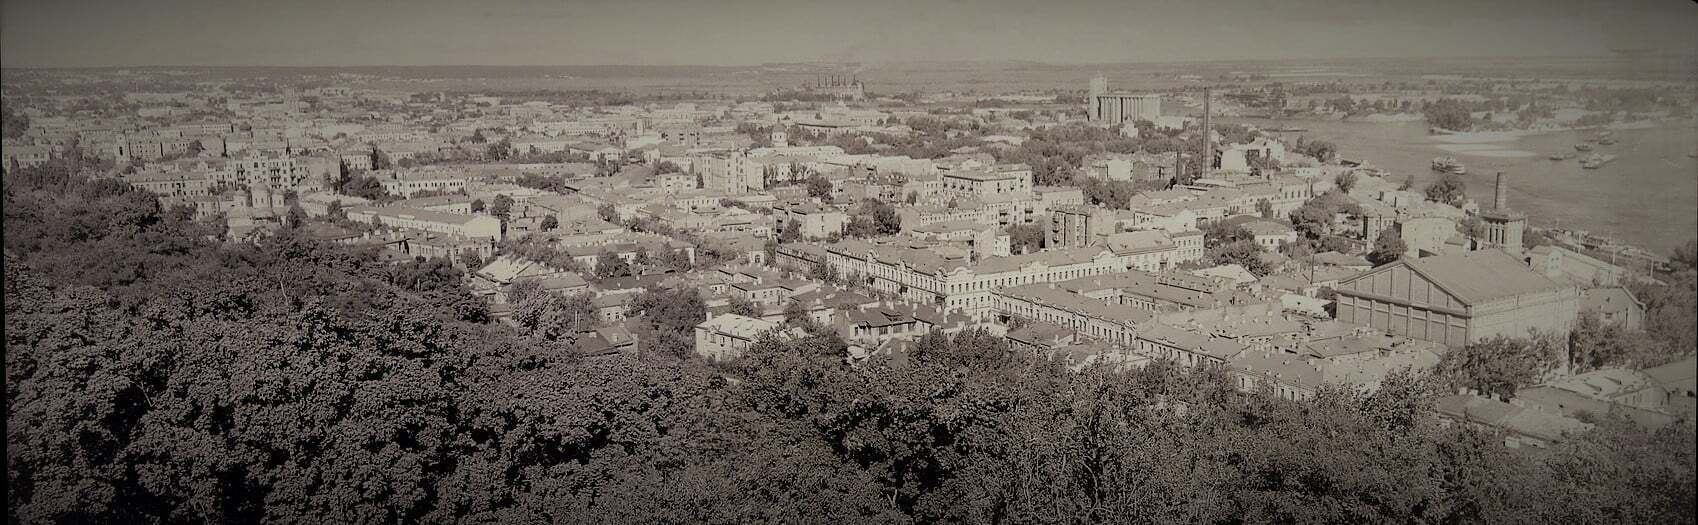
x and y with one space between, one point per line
157 374
1449 189
1388 247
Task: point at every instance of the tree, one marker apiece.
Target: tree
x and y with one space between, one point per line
1111 194
670 317
1245 252
1217 233
884 217
1025 238
795 314
824 273
608 213
12 125
874 218
1388 247
549 223
334 212
770 249
295 217
1335 243
1265 208
477 205
1500 365
380 159
1449 189
1471 227
471 259
609 264
1315 217
499 150
365 187
1345 181
819 187
549 316
1671 311
860 226
1319 149
1447 113
743 306
502 207
1685 257
792 231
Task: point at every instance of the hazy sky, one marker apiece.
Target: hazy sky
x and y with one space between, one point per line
708 32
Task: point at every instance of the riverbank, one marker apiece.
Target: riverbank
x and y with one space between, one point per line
1472 137
1647 198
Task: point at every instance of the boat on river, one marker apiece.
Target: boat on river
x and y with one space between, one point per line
1448 165
1595 161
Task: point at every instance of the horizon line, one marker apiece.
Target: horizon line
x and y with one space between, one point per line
1666 54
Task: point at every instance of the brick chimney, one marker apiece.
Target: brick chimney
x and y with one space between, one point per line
1500 198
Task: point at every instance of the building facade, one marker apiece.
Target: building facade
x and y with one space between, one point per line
1458 299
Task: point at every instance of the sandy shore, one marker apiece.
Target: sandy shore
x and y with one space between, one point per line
1480 137
1483 150
1392 117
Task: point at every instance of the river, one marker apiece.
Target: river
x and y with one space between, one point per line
1647 197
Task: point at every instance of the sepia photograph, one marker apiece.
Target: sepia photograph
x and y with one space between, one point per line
850 261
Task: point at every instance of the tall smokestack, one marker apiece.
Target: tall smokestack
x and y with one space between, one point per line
1178 168
1500 198
1208 133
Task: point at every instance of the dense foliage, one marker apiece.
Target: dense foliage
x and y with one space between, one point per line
155 374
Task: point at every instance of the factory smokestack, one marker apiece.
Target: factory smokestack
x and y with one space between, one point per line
1500 198
1208 133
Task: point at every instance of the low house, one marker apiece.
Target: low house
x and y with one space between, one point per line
1614 306
727 336
1521 426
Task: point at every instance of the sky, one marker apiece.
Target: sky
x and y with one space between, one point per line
90 33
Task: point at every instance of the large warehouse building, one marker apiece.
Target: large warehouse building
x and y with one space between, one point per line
1458 299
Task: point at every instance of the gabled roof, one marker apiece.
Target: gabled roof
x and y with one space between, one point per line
1475 277
1608 300
1678 373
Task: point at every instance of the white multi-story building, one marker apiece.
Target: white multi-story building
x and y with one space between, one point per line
405 183
482 226
272 169
945 277
987 183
